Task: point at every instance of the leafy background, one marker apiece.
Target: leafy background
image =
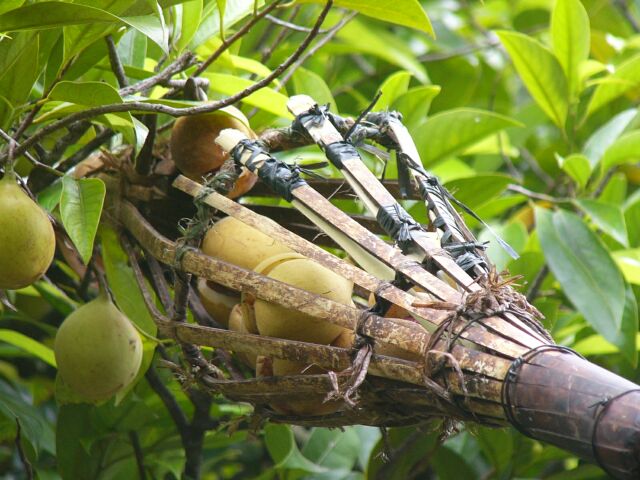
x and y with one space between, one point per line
526 109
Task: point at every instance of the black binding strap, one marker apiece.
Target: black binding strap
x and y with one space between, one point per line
276 174
398 224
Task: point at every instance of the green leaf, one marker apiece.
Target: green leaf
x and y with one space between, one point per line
450 132
626 149
266 98
408 13
585 269
35 428
191 16
92 94
541 73
310 83
606 135
52 15
283 450
80 208
477 190
333 449
415 104
18 67
29 345
366 38
577 167
625 77
570 36
10 5
608 217
393 87
629 263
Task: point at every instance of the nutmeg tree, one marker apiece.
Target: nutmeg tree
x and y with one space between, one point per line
182 301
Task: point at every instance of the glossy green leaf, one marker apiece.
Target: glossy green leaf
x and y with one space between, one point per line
585 269
628 336
478 189
448 133
625 77
625 149
629 263
210 18
153 27
577 166
370 39
29 345
541 73
607 217
333 449
571 40
285 453
605 136
415 104
52 15
92 94
80 207
18 68
408 13
33 424
309 83
266 98
124 287
393 86
8 5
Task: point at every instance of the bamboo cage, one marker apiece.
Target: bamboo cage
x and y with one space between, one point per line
481 353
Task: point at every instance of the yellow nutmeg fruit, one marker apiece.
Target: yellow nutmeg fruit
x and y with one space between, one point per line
217 304
98 350
236 242
195 152
27 240
276 321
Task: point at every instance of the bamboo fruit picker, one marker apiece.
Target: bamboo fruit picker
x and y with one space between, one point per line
484 356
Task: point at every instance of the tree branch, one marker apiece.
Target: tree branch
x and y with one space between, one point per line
116 64
227 42
181 63
178 112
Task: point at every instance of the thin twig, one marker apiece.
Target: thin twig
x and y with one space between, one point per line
28 469
177 414
76 131
34 161
535 195
178 112
289 25
95 143
313 50
181 63
159 282
604 182
116 64
532 294
227 42
282 35
139 455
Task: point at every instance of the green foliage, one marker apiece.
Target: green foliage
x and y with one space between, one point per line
526 111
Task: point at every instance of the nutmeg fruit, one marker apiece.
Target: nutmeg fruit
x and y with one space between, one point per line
98 351
236 242
195 152
27 240
276 321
